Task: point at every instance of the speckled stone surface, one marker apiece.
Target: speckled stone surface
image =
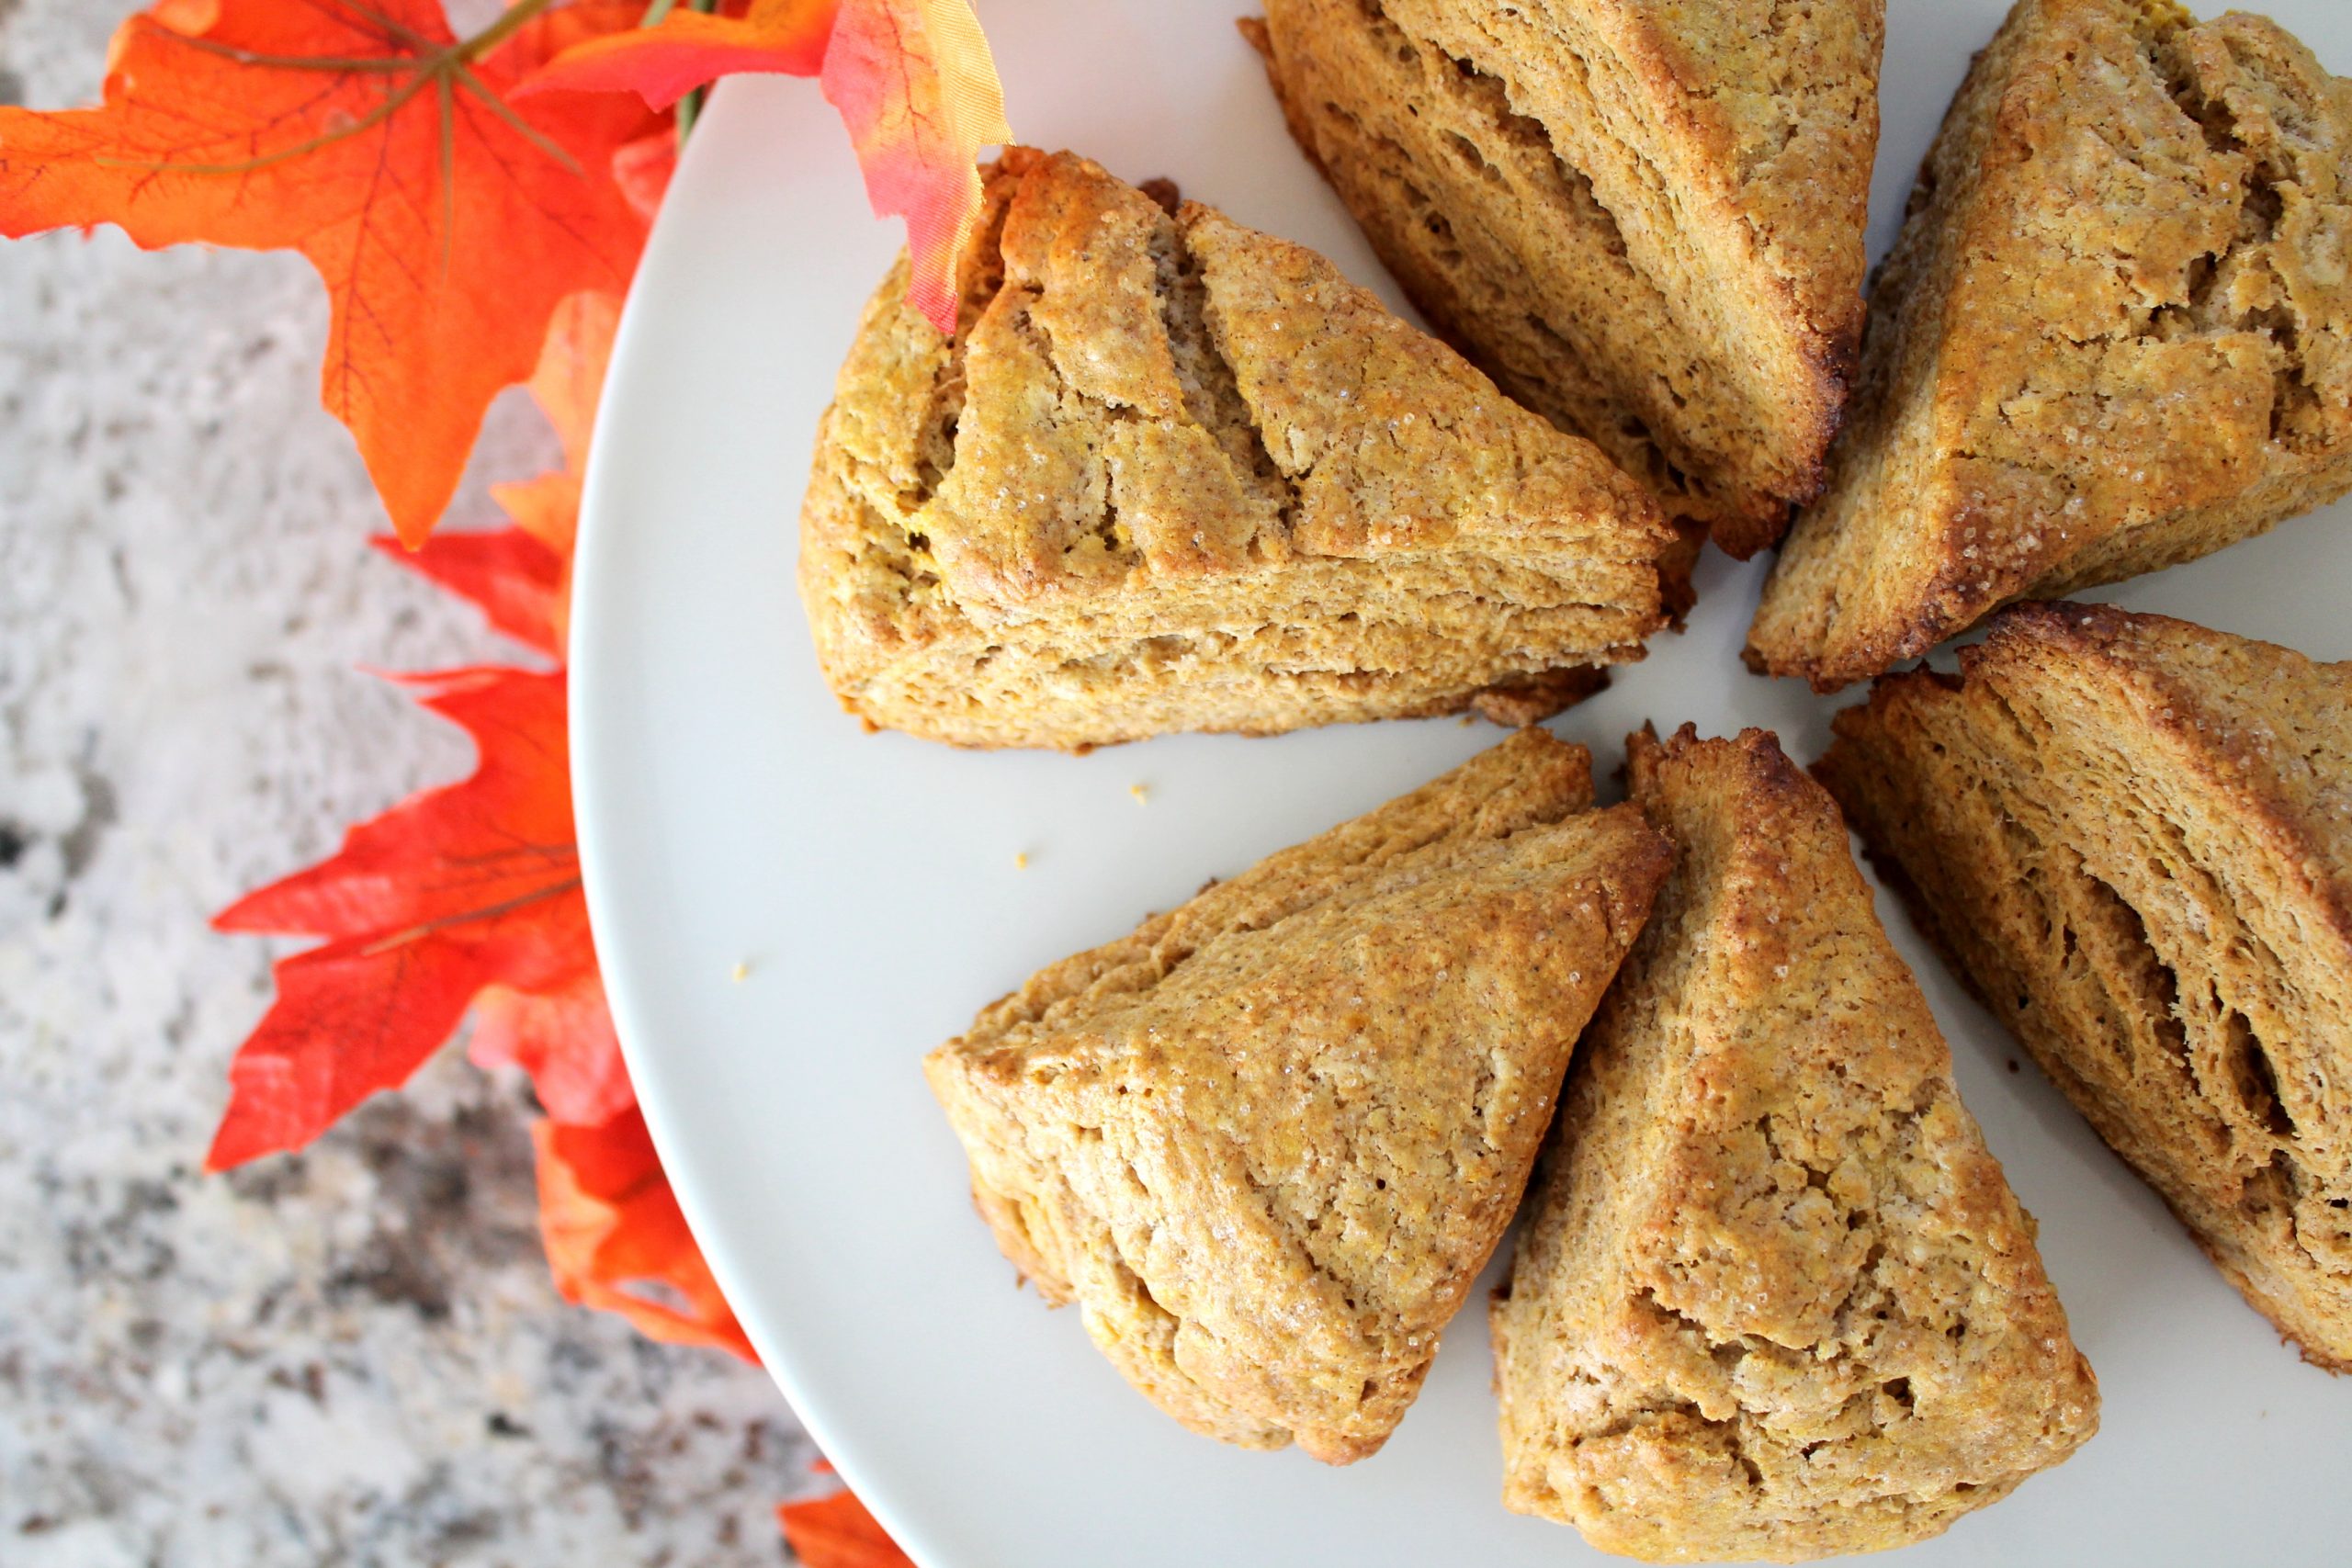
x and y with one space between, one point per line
352 1356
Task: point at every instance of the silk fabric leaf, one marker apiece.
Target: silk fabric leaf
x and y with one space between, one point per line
913 80
616 1240
446 222
472 886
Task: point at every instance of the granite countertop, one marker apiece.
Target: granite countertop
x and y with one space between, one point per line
352 1355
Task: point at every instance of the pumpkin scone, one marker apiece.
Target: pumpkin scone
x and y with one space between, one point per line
2132 837
2115 334
1170 473
1643 218
1774 1298
1267 1141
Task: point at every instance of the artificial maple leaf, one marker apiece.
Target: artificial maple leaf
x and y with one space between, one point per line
569 386
615 1234
913 80
836 1531
561 1037
469 886
693 49
446 222
509 573
643 169
521 577
916 86
567 382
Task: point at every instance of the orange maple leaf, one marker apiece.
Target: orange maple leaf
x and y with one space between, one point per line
836 1531
913 80
460 889
568 385
447 222
521 577
616 1240
693 49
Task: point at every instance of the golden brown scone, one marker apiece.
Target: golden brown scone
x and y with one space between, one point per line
1174 474
1643 218
2112 336
1774 1298
1267 1142
2132 837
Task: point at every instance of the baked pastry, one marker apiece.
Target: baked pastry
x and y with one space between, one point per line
1643 218
2115 334
1773 1298
1267 1141
2132 837
1170 473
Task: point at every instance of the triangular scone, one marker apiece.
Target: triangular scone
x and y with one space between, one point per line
2116 334
1643 218
1774 1298
1267 1142
1175 474
2132 837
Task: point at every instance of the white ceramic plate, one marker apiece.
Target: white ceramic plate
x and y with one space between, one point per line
728 812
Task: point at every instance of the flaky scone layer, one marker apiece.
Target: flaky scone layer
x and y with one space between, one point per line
1644 219
2132 837
1267 1142
1171 473
2115 334
1774 1298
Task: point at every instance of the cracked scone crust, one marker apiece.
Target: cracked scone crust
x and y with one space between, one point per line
1644 219
2132 837
1170 473
1267 1142
2113 335
1774 1298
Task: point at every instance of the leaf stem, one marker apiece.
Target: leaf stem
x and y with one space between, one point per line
394 28
335 63
393 103
443 69
498 911
521 126
509 22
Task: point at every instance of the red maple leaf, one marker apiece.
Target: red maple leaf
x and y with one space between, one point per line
913 80
616 1239
643 169
836 1531
447 222
458 890
515 578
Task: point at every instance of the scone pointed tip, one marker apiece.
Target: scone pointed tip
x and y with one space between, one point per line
2069 377
1128 495
1267 1142
1706 340
2126 834
1762 1115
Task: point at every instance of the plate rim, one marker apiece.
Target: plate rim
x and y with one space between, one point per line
590 670
585 667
